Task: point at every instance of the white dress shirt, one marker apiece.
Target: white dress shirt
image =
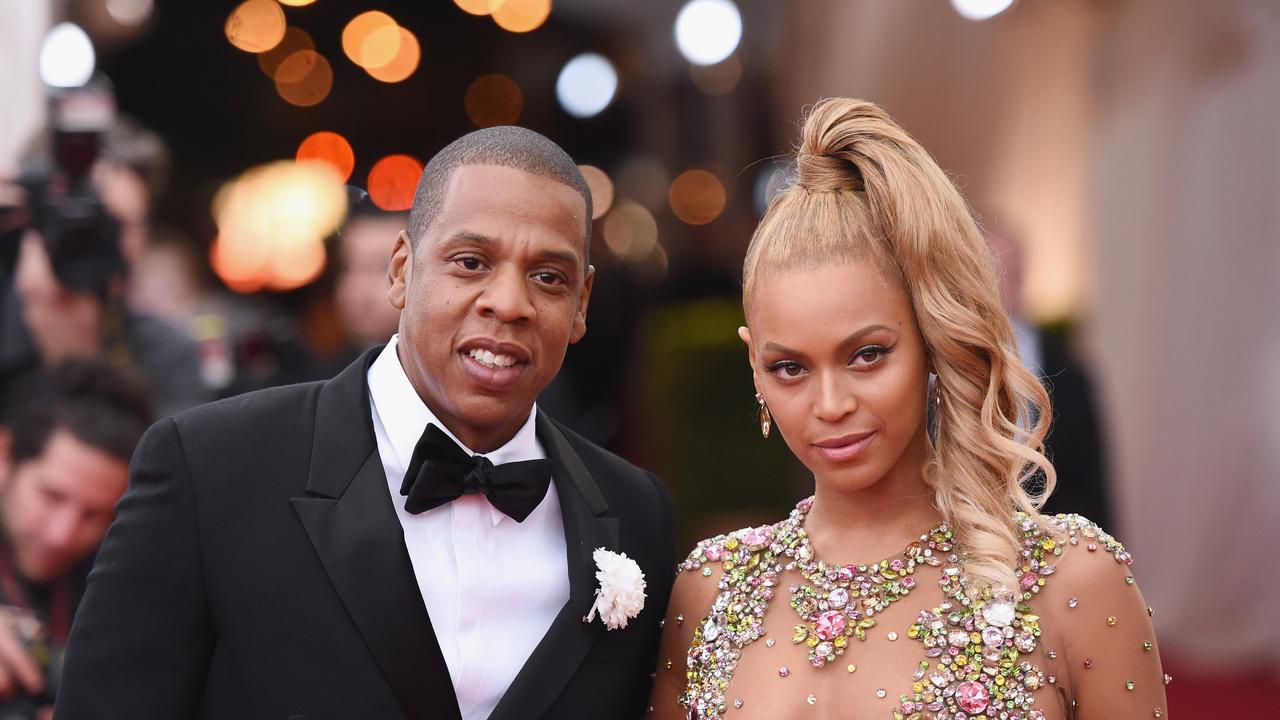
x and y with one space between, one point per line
492 586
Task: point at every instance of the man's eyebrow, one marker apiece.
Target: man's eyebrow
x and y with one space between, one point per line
464 237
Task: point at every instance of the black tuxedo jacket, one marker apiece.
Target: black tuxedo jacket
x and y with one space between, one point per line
256 569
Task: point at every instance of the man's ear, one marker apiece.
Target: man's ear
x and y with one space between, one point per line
580 317
6 456
399 270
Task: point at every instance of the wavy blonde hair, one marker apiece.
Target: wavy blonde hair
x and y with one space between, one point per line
866 190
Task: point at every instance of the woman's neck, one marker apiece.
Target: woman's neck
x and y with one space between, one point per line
877 521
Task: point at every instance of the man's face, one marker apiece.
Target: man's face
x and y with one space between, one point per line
361 292
491 298
56 506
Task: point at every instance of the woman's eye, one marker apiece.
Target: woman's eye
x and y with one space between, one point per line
786 369
868 355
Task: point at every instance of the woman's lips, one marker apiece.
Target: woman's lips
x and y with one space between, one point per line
844 448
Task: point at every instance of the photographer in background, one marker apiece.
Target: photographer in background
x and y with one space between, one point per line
69 271
64 462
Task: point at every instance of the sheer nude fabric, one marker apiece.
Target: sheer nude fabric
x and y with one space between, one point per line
1093 648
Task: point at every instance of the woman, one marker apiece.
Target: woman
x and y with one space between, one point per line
881 353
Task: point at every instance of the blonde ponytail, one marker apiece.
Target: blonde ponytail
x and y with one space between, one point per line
865 189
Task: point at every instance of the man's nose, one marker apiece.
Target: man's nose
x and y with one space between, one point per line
61 527
507 297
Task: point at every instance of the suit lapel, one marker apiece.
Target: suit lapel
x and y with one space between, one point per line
557 657
353 527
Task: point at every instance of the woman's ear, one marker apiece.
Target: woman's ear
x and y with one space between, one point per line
745 333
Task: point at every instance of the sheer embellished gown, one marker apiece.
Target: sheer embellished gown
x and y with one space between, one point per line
763 625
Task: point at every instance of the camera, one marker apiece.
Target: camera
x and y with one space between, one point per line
31 632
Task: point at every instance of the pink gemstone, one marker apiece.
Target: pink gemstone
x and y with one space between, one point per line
1027 580
896 565
972 697
757 537
830 625
845 574
783 672
715 552
908 582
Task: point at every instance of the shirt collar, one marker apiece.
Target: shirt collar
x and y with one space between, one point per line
404 417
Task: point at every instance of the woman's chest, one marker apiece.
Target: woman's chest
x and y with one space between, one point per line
920 654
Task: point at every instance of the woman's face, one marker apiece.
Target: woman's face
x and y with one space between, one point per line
838 358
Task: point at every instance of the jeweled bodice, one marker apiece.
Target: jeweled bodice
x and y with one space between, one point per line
959 656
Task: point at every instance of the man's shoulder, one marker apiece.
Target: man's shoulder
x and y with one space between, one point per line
274 408
612 473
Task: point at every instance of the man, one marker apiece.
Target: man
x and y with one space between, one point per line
69 282
64 462
360 285
333 550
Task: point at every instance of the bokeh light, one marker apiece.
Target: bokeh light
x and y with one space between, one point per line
978 10
371 39
586 85
494 100
130 12
718 79
697 197
773 178
393 180
643 179
256 25
403 64
296 3
328 147
708 31
601 190
479 7
521 16
304 78
294 39
66 56
630 232
272 222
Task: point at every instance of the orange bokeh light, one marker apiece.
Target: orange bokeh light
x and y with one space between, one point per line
697 197
296 3
521 16
304 78
479 7
371 39
494 100
255 25
403 64
328 147
393 180
296 265
601 190
295 39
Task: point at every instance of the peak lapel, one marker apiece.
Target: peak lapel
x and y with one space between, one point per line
556 659
353 527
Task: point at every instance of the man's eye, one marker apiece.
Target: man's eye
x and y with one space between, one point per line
469 263
550 278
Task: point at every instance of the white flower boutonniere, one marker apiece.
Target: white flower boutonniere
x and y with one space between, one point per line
621 593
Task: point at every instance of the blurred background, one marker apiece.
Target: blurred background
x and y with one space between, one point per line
217 187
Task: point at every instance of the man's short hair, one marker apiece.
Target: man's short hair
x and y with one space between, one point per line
506 146
102 405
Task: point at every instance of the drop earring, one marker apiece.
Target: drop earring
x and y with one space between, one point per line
766 420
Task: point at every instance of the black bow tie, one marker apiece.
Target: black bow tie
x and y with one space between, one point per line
441 471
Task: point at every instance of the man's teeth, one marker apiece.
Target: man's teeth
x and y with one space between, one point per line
484 357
